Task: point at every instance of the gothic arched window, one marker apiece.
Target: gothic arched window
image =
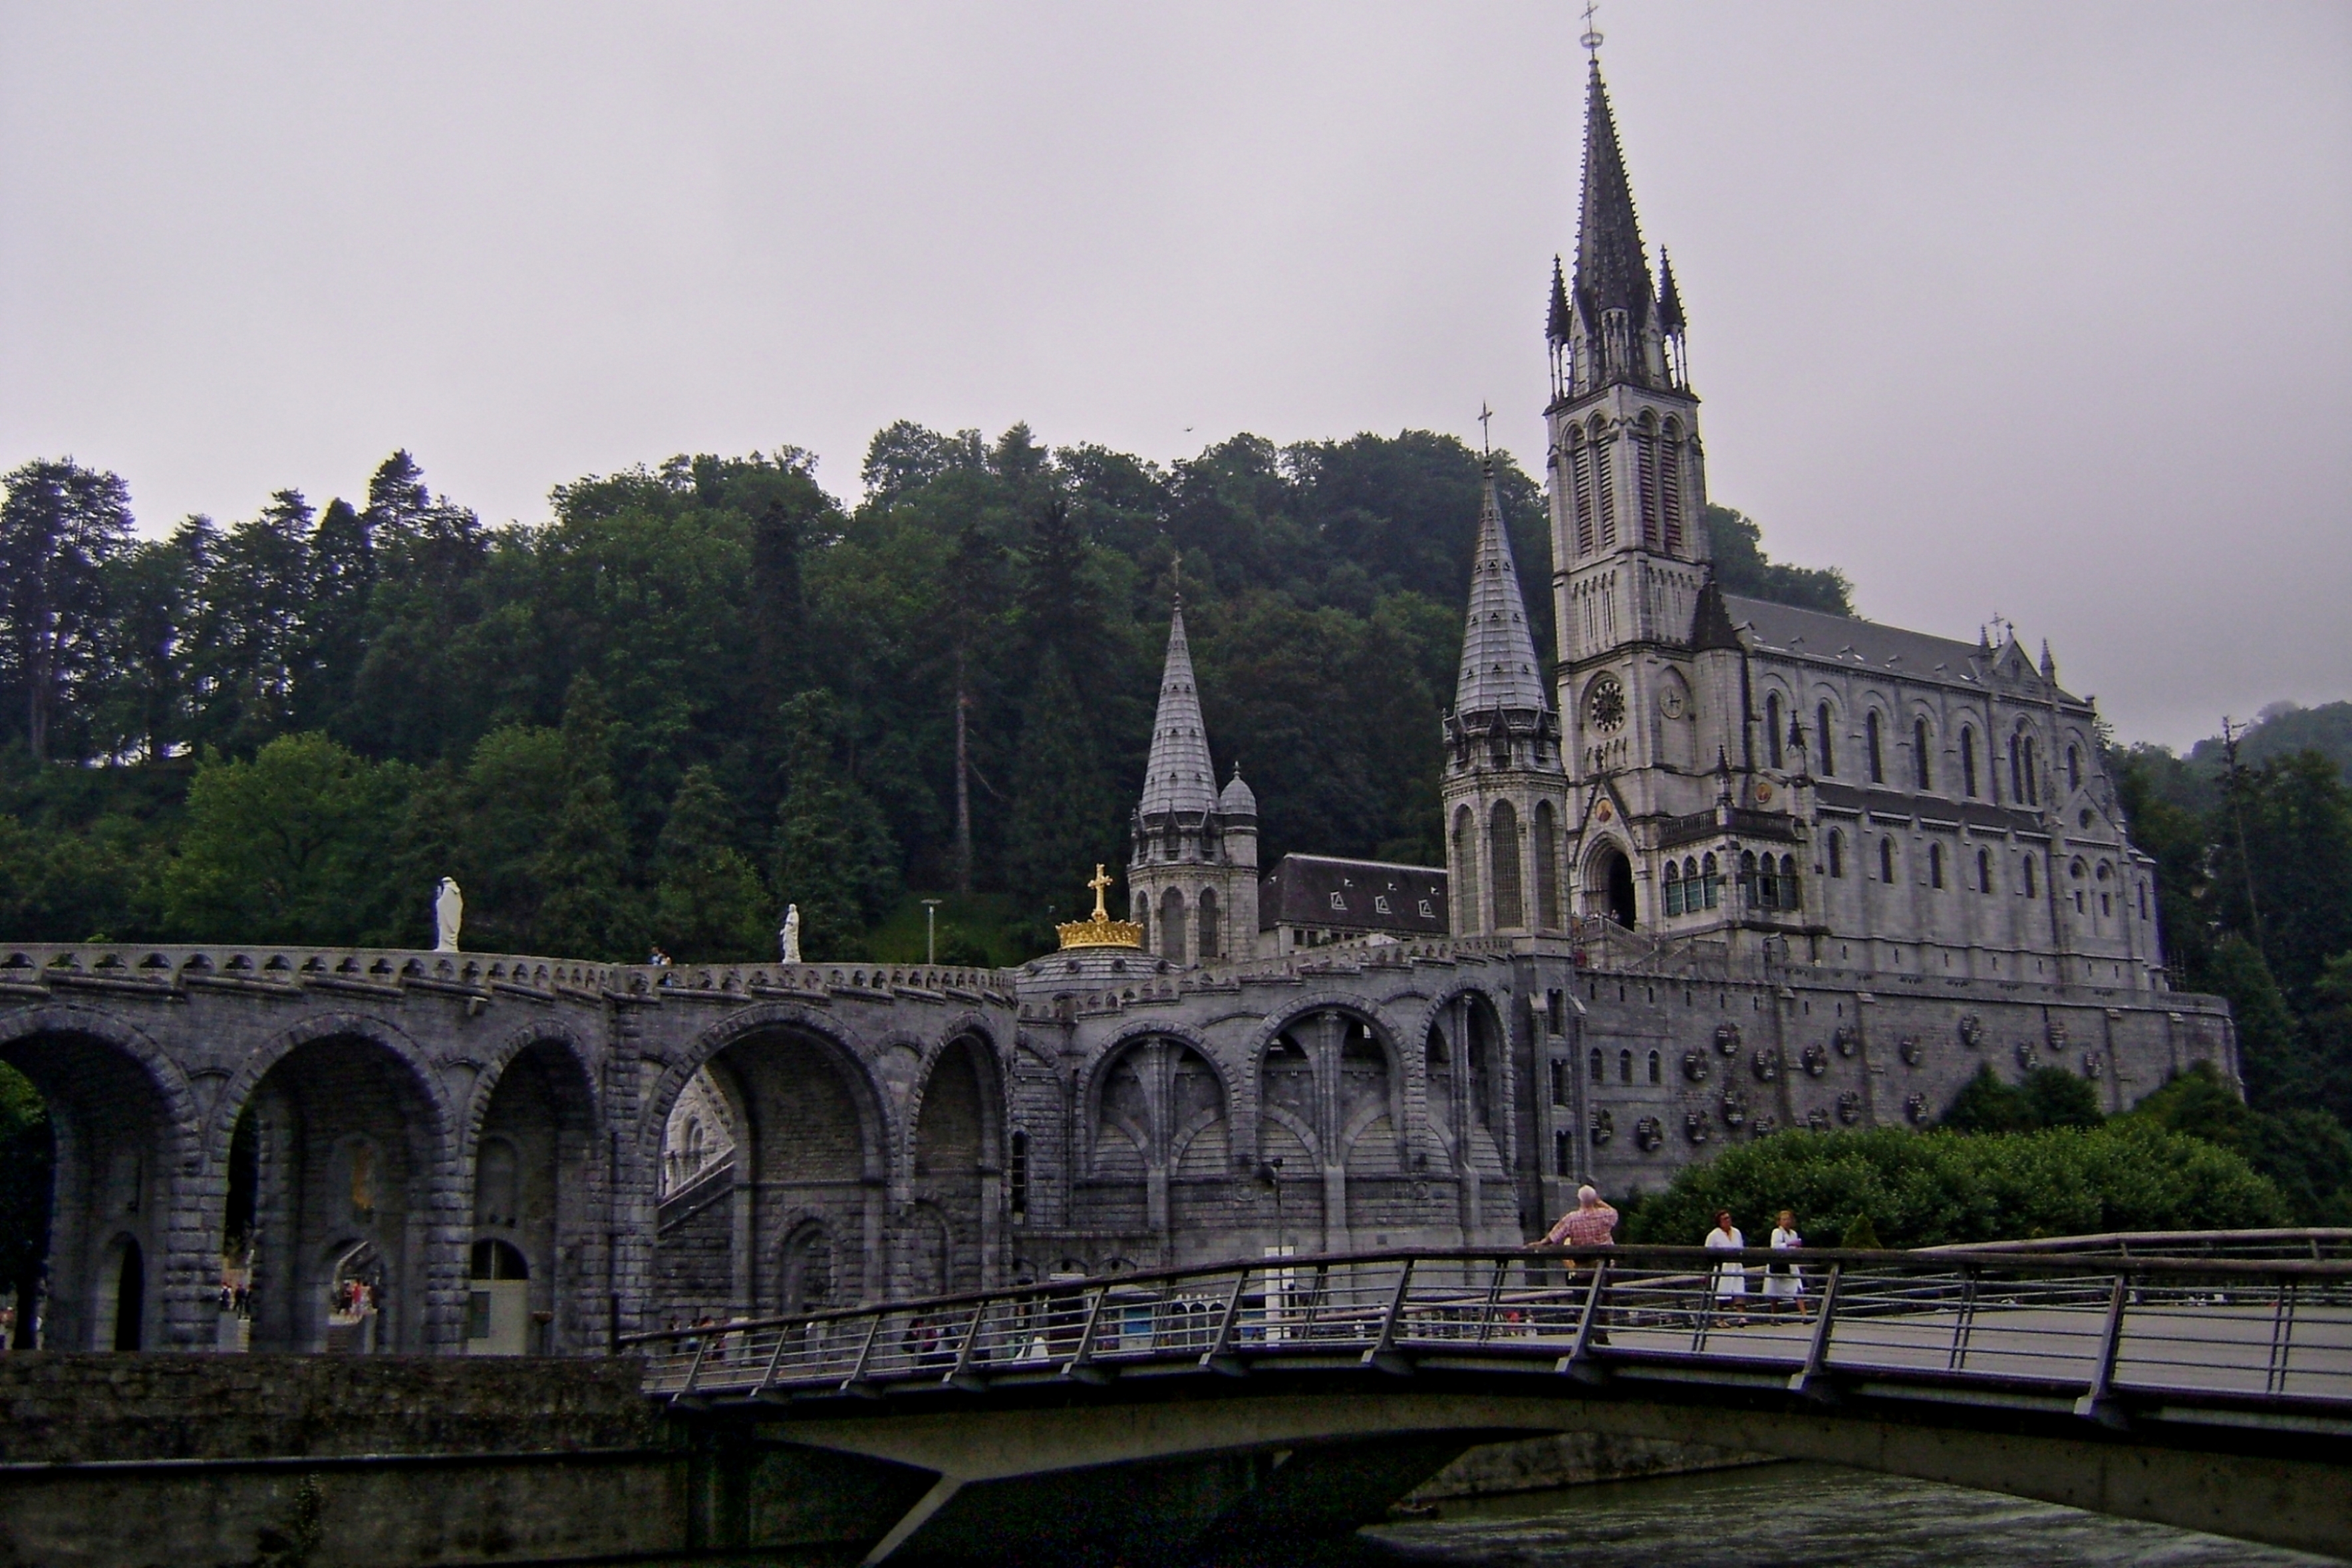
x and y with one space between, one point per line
1604 485
1919 755
1887 860
1673 888
1877 752
1968 762
1579 468
1655 1074
1984 871
2074 768
1837 853
1470 915
1772 730
1789 890
1210 946
1670 487
1502 848
1624 1067
1547 848
2029 877
1710 885
1823 742
1599 1073
1935 865
1172 927
1645 480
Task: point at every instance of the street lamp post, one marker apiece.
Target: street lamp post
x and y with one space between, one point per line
931 931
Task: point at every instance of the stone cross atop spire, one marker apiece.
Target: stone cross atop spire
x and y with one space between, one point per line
1179 776
1499 672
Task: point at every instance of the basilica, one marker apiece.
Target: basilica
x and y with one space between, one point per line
1721 775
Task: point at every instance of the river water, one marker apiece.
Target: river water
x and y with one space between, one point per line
1797 1515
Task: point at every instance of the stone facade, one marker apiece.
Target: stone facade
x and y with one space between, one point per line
1730 868
901 1130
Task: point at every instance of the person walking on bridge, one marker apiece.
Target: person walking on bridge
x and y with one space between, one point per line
1730 1276
1591 1223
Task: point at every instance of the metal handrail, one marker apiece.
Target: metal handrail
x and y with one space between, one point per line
2094 1334
1698 1261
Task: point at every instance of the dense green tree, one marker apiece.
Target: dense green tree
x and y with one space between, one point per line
709 905
834 858
2305 1151
290 846
60 526
588 907
1066 807
1742 568
1941 1188
249 641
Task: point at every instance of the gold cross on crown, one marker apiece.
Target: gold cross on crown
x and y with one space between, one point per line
1101 884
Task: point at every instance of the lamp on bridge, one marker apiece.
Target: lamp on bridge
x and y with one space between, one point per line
1101 931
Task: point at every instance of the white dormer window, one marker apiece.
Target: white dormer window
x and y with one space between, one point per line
1381 903
1426 913
1339 903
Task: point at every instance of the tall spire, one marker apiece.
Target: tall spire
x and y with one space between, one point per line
1611 271
1499 672
1179 777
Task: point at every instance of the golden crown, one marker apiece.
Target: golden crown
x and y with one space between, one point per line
1101 931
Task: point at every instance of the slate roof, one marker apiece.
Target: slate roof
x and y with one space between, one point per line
1855 644
1301 889
1499 672
1179 777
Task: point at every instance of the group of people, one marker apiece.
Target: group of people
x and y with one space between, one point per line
1593 1223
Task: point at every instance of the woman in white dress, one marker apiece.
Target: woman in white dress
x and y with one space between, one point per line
1730 1277
1784 1284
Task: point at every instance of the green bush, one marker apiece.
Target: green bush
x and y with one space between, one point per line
1913 1190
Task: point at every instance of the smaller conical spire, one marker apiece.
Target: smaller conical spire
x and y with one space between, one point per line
1179 777
1670 298
1558 323
1499 672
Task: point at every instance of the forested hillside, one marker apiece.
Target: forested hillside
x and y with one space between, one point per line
704 689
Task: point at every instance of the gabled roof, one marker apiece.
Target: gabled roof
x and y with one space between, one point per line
1852 643
1179 777
1499 672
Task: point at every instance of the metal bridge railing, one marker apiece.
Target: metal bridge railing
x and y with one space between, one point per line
2225 1339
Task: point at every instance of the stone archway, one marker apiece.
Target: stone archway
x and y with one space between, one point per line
537 1183
345 1145
1609 885
118 1128
955 1171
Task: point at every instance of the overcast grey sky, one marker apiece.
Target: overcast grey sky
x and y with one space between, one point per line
2037 309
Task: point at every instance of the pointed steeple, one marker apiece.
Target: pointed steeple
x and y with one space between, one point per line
1611 271
1499 672
1670 298
1558 323
1179 777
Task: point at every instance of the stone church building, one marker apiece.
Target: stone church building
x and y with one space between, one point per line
1718 868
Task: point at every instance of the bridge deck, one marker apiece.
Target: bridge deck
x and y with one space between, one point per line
2233 1342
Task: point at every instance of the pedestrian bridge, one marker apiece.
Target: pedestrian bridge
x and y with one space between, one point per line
2188 1383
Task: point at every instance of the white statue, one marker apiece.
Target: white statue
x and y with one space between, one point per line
789 936
448 914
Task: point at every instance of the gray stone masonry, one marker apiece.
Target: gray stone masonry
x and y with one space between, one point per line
903 1129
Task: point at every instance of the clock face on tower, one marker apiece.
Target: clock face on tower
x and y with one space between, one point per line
1606 704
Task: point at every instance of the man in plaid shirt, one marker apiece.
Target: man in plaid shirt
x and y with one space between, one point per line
1591 1223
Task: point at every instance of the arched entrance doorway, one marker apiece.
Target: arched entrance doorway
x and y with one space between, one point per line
1610 886
799 1157
343 1139
956 1168
498 1307
88 1157
533 1165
